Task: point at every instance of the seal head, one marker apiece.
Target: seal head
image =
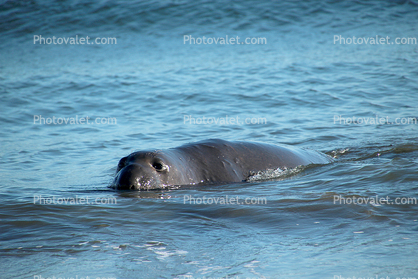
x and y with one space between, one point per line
141 170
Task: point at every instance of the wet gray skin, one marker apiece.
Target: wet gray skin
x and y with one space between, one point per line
206 162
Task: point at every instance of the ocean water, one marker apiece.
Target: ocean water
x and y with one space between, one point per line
299 87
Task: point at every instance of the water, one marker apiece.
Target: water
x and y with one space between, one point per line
300 82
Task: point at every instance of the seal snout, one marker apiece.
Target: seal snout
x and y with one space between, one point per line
127 178
136 176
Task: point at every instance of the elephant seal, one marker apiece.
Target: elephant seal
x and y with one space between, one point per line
211 161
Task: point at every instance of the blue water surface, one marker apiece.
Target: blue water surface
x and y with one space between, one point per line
299 87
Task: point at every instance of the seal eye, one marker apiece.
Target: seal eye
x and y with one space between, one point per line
158 166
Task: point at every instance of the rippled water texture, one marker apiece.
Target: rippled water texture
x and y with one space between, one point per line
301 84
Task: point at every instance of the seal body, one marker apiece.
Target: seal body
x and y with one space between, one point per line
210 161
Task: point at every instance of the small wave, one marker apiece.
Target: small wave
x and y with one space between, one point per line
274 174
338 153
